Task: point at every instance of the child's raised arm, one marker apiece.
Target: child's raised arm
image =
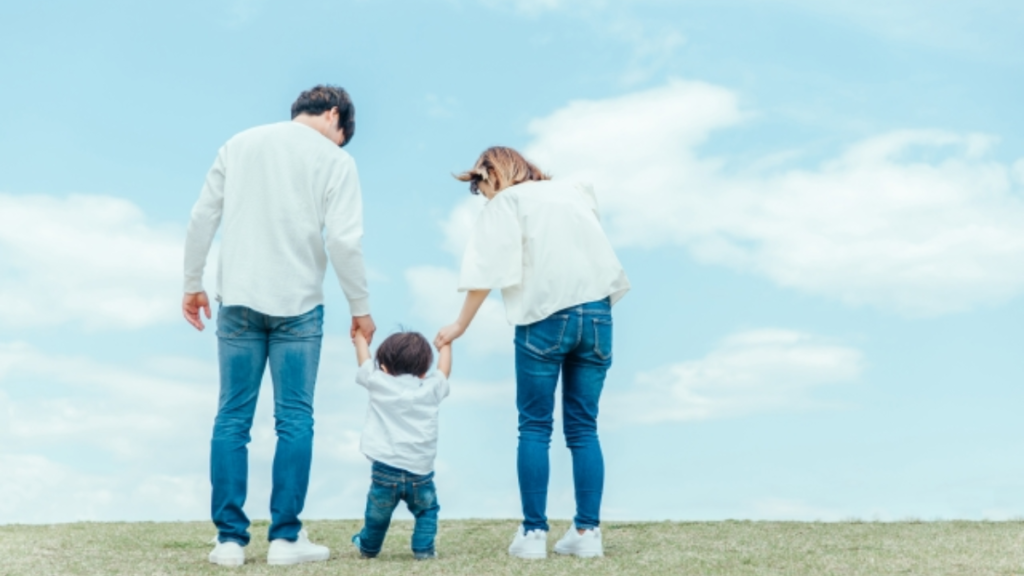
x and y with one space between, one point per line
444 360
362 348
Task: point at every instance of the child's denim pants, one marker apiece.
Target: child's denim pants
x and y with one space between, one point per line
390 485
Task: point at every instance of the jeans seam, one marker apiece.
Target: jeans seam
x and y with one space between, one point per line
579 332
597 338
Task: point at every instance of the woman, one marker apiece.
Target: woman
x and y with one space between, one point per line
540 242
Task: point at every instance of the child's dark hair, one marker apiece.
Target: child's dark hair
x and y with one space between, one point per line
405 353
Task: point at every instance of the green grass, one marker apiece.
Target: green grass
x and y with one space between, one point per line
478 547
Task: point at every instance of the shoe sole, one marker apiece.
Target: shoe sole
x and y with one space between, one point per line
529 555
298 560
228 561
591 554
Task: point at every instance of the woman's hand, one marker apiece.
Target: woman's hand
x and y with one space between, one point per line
448 334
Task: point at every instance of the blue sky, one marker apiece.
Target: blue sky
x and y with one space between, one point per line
820 207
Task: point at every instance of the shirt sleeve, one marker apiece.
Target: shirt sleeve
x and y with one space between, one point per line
202 226
364 375
494 255
587 190
343 221
441 388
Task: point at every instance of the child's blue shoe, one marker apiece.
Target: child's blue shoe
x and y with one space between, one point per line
425 555
356 542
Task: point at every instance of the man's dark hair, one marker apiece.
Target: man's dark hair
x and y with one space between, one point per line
321 98
405 353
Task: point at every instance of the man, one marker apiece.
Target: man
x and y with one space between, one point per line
289 198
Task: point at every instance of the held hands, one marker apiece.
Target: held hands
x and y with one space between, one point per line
448 334
191 304
364 326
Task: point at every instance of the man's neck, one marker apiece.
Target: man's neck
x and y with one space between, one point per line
314 122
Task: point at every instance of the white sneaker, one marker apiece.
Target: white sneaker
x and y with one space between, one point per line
586 545
302 550
228 553
532 545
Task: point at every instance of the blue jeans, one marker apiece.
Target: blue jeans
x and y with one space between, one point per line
246 340
389 485
577 342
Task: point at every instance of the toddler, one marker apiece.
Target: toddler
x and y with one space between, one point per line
400 436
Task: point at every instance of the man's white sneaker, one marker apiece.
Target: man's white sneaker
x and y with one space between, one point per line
532 545
227 553
586 545
302 550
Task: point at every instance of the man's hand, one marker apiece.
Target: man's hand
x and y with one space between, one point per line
191 304
448 334
365 326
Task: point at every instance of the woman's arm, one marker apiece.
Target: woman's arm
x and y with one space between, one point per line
448 334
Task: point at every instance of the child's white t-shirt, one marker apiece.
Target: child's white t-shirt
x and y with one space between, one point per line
401 421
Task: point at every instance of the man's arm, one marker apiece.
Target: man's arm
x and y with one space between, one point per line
343 220
444 361
202 226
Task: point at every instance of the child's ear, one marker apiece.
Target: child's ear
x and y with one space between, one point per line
384 368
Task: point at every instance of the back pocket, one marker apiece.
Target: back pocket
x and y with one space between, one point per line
232 321
545 337
603 338
309 324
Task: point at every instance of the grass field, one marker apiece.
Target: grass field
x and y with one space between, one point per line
478 547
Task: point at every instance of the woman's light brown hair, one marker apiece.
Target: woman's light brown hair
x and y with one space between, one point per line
502 167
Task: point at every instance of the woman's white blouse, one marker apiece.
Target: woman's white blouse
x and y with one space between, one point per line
541 243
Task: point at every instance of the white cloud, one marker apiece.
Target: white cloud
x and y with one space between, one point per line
489 393
982 29
1018 171
749 372
50 399
437 300
915 221
54 492
92 260
84 440
459 224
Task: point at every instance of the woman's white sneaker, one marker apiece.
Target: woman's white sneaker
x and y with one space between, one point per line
532 545
586 545
227 553
302 550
